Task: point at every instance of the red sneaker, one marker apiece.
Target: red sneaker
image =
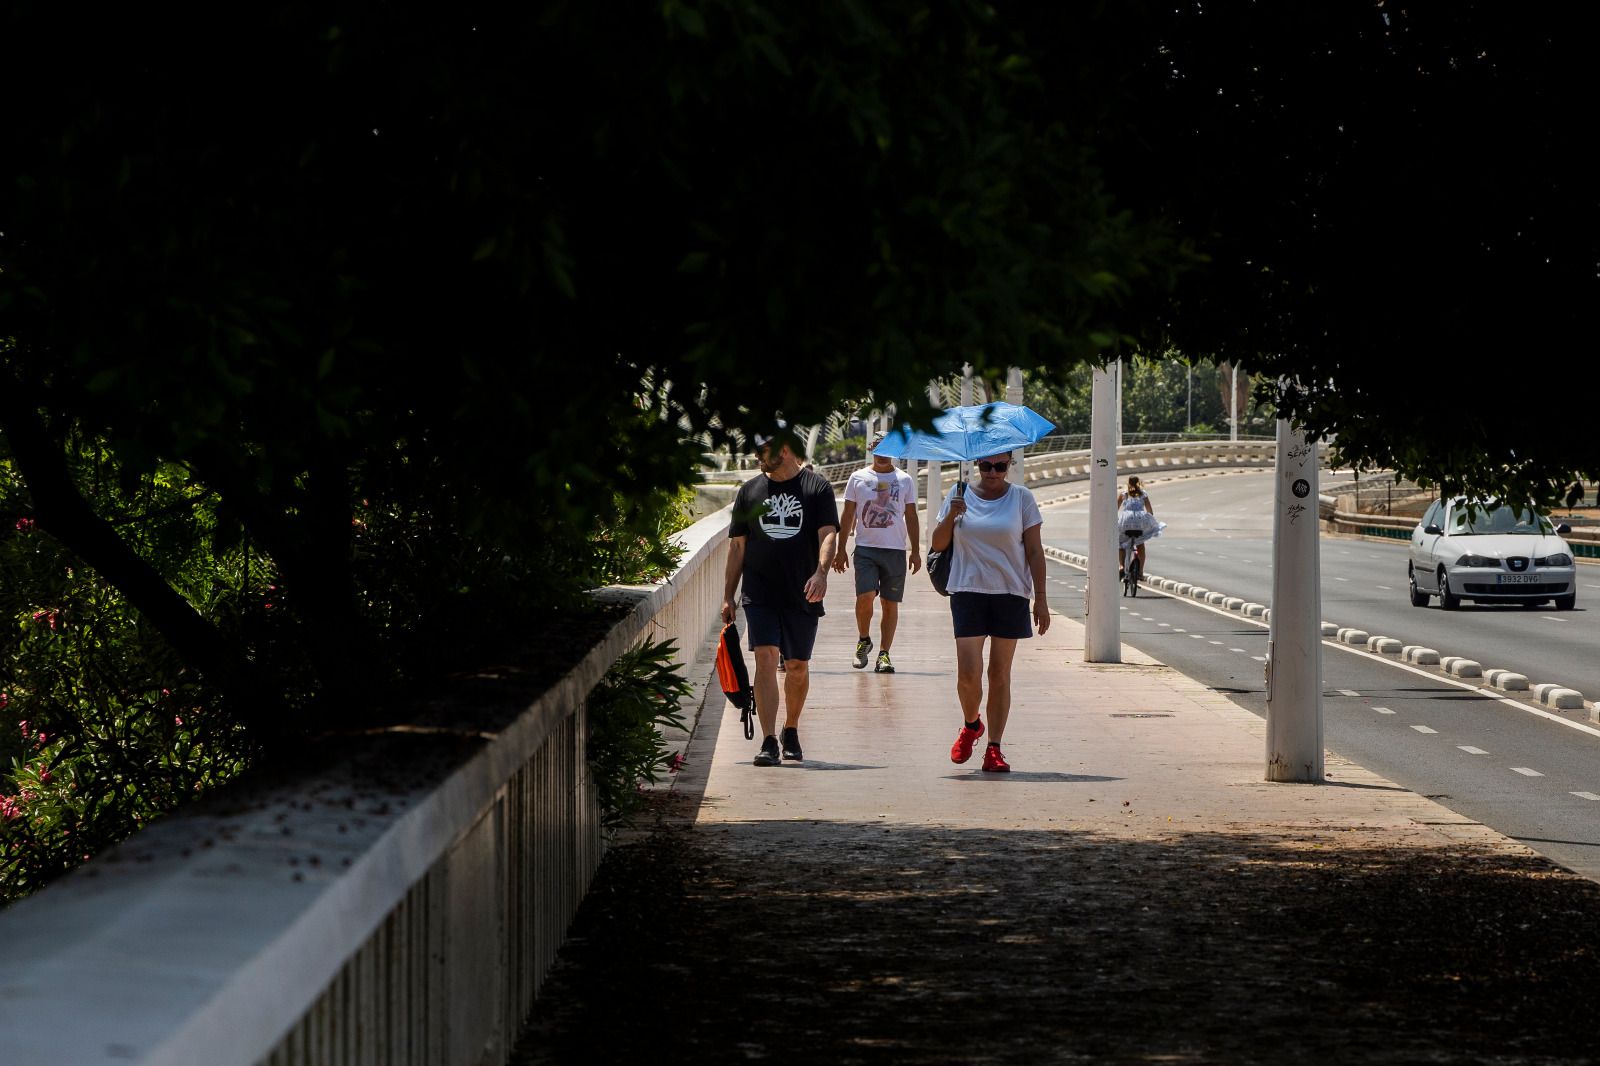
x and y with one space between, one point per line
994 762
961 750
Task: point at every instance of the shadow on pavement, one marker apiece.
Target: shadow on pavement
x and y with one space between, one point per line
859 943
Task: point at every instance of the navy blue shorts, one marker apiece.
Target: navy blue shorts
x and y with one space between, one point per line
983 614
792 630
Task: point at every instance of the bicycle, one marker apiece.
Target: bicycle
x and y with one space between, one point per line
1133 570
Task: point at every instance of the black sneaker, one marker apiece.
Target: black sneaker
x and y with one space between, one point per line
791 744
768 755
863 652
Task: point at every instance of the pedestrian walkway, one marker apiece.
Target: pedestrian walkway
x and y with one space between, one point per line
1133 891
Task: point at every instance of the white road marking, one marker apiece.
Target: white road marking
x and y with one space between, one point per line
1526 772
1241 651
1179 629
1259 658
1167 625
1386 588
1197 636
1347 692
1424 729
1470 750
1218 643
1587 796
1383 710
1336 579
1546 617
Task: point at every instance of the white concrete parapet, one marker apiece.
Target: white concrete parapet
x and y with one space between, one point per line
1416 653
1196 592
1384 645
1456 666
1254 610
401 905
1351 635
1233 603
1558 696
1215 597
1331 629
1506 681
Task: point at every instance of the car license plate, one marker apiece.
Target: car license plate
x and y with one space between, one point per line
1519 579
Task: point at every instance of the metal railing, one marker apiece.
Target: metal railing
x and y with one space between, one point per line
401 907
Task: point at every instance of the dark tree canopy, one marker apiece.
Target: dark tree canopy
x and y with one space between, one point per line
1399 212
417 300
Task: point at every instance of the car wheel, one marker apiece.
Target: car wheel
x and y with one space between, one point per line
1447 599
1567 602
1418 597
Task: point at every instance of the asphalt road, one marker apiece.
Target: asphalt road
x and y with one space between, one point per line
1530 773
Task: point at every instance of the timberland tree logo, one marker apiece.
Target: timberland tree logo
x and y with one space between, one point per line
783 517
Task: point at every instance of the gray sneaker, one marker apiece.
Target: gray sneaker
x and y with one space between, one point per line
884 666
863 652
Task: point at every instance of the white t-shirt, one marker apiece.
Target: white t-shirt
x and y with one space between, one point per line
989 556
881 501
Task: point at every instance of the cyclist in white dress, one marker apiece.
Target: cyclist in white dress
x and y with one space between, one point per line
1134 514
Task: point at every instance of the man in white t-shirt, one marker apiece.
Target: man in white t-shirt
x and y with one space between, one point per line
880 507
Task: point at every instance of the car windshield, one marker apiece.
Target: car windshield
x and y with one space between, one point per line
1496 518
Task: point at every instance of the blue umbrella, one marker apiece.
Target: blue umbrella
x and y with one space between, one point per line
963 433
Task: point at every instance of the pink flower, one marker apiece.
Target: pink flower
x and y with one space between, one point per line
44 777
25 525
177 719
24 725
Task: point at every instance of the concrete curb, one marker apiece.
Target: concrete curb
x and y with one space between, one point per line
1552 695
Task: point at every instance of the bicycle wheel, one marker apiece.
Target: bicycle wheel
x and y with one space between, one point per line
1135 571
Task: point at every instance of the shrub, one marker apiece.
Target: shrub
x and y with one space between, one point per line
637 697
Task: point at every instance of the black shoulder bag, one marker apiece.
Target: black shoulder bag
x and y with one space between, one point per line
939 561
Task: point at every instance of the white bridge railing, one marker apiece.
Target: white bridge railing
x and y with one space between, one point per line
1053 467
399 905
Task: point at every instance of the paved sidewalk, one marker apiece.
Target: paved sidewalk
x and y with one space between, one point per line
1132 892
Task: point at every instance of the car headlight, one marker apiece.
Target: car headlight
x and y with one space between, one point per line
1479 560
1558 559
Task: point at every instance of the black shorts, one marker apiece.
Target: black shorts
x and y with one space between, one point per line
983 614
792 630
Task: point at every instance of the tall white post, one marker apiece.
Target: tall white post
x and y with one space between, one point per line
934 496
1294 638
1116 403
1102 638
1233 404
1014 395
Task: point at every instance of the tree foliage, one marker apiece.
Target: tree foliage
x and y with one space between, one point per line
1398 219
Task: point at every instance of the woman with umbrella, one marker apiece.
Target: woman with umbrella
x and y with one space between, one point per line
997 563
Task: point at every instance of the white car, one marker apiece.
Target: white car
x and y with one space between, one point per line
1490 553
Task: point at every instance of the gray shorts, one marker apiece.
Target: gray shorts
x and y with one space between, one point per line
881 570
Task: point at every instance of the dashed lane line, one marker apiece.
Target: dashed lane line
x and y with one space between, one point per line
1470 750
1586 796
1241 651
1429 675
1527 771
1383 710
1424 729
1348 692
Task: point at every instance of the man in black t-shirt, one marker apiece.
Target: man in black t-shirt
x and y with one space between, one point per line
780 542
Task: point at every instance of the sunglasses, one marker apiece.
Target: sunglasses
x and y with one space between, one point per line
999 468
